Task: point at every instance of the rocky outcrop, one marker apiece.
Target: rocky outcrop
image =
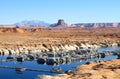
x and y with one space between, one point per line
95 70
54 47
11 30
60 23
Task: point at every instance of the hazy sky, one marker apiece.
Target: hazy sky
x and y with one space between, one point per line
72 11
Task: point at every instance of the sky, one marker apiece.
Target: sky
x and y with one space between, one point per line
72 11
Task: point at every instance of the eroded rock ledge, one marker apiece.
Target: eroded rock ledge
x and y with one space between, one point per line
95 70
56 46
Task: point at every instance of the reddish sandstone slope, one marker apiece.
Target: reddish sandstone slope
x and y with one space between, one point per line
11 36
96 70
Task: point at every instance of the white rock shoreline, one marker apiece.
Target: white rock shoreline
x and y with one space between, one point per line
57 48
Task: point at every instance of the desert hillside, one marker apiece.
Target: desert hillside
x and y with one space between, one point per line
13 37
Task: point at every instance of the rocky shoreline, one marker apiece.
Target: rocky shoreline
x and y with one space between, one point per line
94 70
56 47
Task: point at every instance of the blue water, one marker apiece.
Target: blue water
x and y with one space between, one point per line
12 74
109 48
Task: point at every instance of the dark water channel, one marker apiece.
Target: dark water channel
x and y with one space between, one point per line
12 74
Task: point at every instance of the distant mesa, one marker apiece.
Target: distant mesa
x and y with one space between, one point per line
96 25
60 23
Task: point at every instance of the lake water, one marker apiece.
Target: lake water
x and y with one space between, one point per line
12 74
109 48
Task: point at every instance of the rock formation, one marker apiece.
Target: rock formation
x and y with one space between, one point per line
60 23
94 70
96 25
